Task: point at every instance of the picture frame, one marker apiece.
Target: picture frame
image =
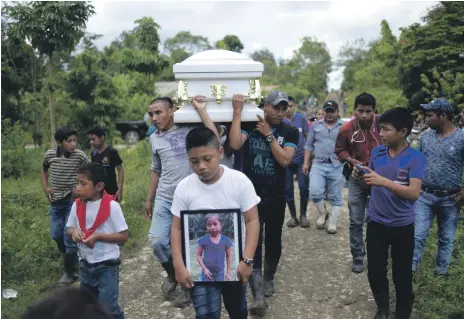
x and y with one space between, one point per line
206 248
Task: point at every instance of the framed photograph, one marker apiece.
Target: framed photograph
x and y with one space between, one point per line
212 244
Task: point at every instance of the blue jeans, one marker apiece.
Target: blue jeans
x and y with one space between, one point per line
447 212
357 202
323 175
160 231
59 213
207 301
102 280
303 183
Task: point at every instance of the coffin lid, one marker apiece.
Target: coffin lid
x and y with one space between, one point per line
218 61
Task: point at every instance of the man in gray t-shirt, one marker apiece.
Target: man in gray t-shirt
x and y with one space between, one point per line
443 148
169 166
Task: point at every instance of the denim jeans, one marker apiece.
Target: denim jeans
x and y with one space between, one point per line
59 213
447 212
207 300
323 175
357 202
160 231
303 183
104 282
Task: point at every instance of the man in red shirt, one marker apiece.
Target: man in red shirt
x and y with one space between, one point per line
354 144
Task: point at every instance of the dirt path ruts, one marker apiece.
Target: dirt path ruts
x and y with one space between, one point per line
314 280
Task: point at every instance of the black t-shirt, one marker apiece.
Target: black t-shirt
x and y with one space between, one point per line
109 159
267 175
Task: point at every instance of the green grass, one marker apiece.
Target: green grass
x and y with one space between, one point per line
30 260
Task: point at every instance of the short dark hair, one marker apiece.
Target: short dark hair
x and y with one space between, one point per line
449 114
201 136
68 303
399 118
97 130
364 99
94 172
164 99
291 99
63 133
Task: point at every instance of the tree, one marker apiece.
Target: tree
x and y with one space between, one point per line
184 44
51 28
230 42
266 57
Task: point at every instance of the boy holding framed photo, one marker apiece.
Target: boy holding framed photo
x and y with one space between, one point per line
214 187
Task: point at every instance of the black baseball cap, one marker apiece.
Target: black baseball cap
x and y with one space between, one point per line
276 97
330 105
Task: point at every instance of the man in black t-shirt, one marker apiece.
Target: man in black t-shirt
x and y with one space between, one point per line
109 158
268 148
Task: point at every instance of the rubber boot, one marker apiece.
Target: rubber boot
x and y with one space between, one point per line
403 308
333 219
183 299
293 222
168 288
304 222
383 305
258 306
270 269
69 260
320 206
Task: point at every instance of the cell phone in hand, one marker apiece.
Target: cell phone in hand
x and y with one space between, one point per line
361 169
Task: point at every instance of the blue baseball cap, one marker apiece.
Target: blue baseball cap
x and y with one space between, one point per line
438 105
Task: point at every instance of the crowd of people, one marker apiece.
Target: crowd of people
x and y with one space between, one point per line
394 188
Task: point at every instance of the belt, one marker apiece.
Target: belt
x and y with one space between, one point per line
109 262
439 192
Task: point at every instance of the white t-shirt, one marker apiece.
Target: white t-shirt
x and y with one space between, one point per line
232 191
114 224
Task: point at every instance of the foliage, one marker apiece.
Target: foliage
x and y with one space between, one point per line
184 44
14 159
230 42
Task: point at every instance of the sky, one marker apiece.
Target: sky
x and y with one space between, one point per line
278 26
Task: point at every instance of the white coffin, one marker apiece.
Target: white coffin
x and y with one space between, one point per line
218 75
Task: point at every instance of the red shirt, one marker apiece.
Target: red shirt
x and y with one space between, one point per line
357 143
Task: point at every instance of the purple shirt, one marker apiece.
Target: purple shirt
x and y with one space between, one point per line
214 255
301 123
384 206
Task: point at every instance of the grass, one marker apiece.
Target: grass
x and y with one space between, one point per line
30 260
31 263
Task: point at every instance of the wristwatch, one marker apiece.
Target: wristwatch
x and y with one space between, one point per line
270 138
248 262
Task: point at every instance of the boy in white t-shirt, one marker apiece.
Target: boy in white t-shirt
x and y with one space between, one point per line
96 223
214 186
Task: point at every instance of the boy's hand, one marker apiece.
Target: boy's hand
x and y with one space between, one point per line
356 173
118 196
372 178
77 235
90 241
199 102
148 209
306 168
227 276
244 272
238 102
48 193
184 278
208 273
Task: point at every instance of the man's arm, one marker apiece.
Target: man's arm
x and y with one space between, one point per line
200 105
342 147
282 155
308 150
154 180
120 179
236 137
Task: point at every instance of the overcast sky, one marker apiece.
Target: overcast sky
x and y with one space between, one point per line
278 26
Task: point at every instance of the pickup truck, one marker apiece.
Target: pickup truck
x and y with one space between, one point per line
132 131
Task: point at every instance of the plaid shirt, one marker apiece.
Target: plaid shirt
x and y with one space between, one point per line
360 146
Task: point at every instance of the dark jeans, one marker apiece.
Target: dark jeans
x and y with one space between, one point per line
271 219
357 202
303 183
401 239
103 280
207 300
59 213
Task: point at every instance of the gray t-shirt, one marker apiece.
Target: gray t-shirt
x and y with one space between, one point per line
169 159
444 159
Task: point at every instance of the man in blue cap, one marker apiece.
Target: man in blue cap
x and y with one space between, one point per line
443 148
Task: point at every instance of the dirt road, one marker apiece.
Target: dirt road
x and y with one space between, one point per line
314 280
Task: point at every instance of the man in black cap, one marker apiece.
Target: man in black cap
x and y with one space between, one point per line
324 167
268 149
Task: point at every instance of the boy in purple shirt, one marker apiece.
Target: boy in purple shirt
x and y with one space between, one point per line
395 174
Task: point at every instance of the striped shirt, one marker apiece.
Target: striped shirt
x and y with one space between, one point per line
63 172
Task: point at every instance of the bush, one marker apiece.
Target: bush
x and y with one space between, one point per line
14 159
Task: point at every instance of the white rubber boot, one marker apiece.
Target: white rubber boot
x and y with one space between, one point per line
322 214
333 219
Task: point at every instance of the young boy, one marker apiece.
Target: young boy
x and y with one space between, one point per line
63 163
213 249
214 186
395 174
97 225
109 158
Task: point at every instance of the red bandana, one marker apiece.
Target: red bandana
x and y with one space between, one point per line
102 215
